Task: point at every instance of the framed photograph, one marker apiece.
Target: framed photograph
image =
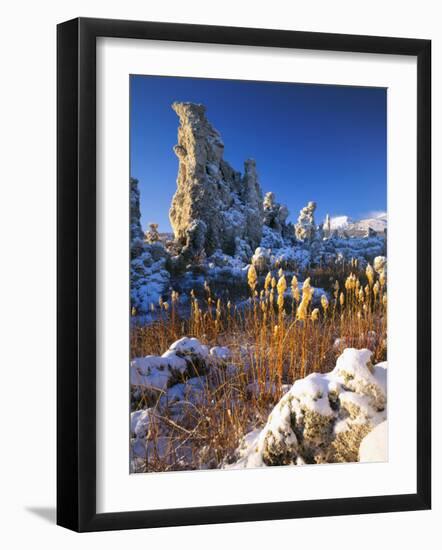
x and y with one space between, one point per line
243 274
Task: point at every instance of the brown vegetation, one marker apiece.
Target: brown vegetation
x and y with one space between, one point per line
279 335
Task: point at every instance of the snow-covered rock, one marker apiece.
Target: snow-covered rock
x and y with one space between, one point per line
152 235
322 418
189 347
305 228
184 359
374 446
262 259
275 215
149 277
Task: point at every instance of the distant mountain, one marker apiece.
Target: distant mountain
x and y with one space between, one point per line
359 227
379 223
340 222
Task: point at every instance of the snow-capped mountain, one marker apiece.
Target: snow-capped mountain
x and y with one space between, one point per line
378 223
358 227
340 222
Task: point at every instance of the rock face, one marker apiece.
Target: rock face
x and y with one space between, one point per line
214 207
322 418
305 229
148 276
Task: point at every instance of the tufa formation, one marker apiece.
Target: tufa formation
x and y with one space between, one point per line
214 207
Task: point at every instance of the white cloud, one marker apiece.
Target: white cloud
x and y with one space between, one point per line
375 214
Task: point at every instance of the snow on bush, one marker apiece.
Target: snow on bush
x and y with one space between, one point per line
322 418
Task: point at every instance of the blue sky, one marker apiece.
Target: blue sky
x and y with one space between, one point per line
310 142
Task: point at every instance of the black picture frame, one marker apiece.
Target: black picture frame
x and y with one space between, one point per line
76 274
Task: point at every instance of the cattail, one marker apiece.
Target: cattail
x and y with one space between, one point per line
252 277
281 288
273 282
307 289
280 272
382 278
315 314
275 330
336 292
267 281
376 288
294 285
369 271
301 312
282 285
350 282
166 306
307 293
341 299
324 303
361 295
196 309
207 287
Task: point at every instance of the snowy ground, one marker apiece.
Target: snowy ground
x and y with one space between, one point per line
335 417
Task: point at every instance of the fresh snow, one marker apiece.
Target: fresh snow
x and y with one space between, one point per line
374 446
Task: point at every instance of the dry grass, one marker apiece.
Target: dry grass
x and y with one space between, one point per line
278 336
